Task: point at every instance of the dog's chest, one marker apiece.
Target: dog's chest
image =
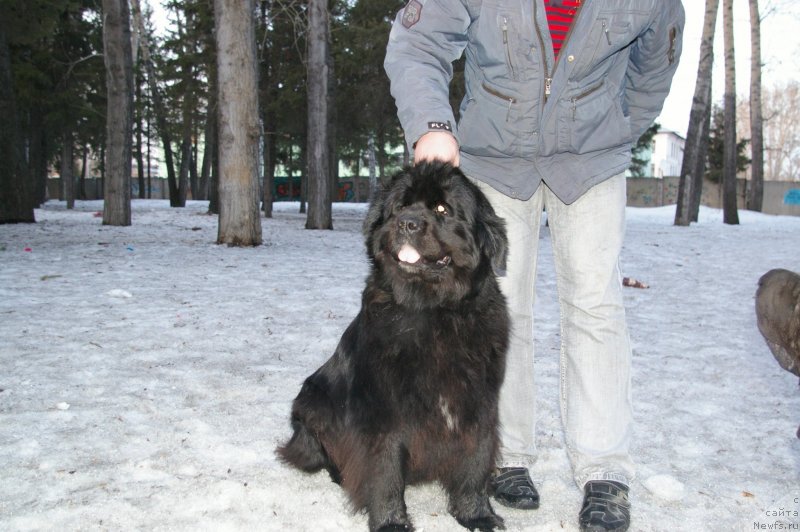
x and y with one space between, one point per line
444 374
448 413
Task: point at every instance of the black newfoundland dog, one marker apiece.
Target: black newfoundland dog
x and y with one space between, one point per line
411 393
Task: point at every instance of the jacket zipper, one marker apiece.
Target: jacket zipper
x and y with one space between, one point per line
548 80
584 94
673 34
510 99
607 34
508 49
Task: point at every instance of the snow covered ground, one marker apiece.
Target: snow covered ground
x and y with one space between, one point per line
146 375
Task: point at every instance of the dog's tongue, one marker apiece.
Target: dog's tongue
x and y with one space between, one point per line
408 254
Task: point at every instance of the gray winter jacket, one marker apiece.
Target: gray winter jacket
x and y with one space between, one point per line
526 117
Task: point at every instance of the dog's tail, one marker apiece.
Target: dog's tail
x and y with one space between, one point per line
316 425
304 450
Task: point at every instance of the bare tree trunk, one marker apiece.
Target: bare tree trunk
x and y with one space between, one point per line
333 160
730 213
205 166
158 106
212 138
303 177
139 151
382 158
194 179
317 68
782 132
187 125
268 183
755 195
67 169
694 155
149 160
82 178
15 201
213 176
699 174
37 159
267 117
119 114
183 169
239 214
373 175
102 162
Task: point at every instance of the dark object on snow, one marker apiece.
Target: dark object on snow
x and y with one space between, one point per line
634 283
410 394
778 313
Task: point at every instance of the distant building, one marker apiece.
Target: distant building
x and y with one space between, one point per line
667 156
154 171
664 156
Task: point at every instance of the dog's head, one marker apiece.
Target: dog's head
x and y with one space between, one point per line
433 234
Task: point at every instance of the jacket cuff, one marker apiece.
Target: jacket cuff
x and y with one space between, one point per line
433 125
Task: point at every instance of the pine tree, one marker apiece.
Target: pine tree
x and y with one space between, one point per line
639 163
715 154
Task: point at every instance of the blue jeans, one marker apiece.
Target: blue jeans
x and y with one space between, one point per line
595 396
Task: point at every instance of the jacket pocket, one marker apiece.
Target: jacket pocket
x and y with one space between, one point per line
507 34
510 100
608 36
594 119
486 125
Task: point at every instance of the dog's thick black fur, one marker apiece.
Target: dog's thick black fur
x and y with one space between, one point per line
411 393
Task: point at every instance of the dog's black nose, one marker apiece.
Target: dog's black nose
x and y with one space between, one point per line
410 224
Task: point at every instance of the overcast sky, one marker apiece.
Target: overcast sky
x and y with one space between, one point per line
780 53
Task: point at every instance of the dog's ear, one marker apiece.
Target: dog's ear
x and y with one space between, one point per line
491 232
382 196
374 216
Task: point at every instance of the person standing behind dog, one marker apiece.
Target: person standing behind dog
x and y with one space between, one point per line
557 91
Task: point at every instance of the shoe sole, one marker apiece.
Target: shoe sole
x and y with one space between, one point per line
523 504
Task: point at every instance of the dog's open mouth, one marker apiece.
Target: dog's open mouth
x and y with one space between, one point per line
409 257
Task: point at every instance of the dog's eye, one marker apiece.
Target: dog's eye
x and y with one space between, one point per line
441 209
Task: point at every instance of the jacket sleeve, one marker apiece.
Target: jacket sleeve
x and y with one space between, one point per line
426 37
653 62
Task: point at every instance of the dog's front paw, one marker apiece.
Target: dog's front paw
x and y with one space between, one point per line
486 523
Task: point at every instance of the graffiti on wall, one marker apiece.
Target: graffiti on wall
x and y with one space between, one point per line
792 197
286 191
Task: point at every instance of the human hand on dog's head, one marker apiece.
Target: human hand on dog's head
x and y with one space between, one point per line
437 145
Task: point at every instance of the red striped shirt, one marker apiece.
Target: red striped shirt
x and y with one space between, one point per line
560 14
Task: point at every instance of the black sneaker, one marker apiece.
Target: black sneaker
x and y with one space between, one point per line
605 507
513 487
